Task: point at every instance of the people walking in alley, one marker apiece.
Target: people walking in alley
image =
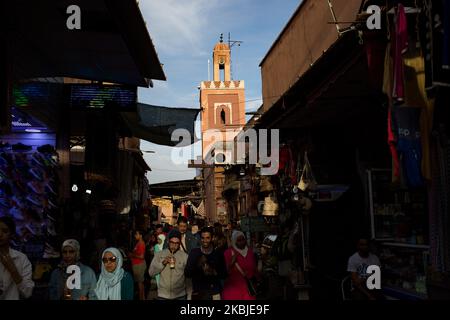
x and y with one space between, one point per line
138 263
15 268
206 267
114 282
58 281
169 264
241 266
357 266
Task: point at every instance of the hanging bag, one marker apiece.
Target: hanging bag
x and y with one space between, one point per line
252 283
270 206
265 185
307 180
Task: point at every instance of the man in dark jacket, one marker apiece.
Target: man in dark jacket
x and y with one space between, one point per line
188 240
207 268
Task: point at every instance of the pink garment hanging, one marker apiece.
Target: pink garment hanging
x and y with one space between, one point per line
184 210
401 46
392 146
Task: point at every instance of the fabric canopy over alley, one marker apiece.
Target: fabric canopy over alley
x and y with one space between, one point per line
156 123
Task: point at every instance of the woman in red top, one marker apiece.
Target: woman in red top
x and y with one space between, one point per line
239 256
138 263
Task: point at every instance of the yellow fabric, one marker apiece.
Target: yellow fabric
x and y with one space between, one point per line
416 96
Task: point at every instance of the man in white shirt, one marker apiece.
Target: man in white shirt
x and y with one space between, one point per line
357 266
15 268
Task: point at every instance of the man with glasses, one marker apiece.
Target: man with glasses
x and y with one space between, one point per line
58 289
188 240
170 264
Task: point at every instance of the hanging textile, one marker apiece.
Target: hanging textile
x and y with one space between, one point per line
400 40
409 144
416 97
391 128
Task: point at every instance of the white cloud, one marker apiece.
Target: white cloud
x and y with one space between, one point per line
177 25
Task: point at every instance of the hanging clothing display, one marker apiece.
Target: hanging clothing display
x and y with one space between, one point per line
400 41
405 83
184 210
392 141
409 144
391 127
287 163
416 97
375 49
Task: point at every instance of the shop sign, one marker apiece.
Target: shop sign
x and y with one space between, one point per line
96 96
253 224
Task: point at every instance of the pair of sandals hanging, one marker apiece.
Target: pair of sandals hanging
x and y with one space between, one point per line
307 180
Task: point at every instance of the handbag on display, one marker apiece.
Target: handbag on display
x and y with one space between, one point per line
265 185
260 206
270 206
307 180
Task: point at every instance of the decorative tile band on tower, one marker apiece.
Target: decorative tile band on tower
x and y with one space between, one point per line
214 85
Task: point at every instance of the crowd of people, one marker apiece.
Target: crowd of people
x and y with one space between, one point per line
206 265
183 265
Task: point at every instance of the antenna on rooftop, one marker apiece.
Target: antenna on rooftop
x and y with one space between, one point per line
231 44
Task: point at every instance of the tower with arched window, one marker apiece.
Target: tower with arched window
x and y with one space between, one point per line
222 101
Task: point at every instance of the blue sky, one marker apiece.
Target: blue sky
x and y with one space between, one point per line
184 33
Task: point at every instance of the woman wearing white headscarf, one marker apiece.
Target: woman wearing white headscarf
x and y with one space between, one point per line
114 282
158 248
241 264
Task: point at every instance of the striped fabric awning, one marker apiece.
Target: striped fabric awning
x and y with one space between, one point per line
201 209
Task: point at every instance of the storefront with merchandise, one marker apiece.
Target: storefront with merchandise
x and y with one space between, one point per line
44 149
371 179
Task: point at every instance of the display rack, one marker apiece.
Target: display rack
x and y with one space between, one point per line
399 226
